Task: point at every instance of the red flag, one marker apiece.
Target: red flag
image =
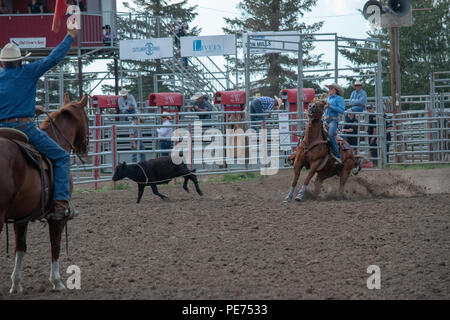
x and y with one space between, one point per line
60 12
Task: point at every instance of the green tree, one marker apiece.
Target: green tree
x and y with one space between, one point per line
275 71
424 48
151 18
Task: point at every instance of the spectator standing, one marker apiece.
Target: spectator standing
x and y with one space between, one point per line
351 128
165 134
109 38
3 7
136 135
35 7
264 105
389 126
358 98
127 103
372 131
201 104
181 32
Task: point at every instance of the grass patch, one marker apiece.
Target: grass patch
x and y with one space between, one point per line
107 188
230 177
419 166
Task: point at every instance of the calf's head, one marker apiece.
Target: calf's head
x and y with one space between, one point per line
120 172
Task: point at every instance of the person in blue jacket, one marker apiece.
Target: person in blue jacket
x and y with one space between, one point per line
335 106
358 98
18 108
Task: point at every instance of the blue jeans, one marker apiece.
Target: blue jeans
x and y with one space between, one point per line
332 127
256 107
357 109
128 111
165 145
47 146
140 146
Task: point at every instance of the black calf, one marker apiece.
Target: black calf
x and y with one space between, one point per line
154 172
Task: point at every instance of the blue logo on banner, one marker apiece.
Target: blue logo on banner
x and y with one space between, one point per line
149 49
197 45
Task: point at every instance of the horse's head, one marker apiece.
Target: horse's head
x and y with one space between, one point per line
70 125
315 109
119 174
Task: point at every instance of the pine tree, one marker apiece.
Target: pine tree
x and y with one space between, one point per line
276 71
171 14
424 48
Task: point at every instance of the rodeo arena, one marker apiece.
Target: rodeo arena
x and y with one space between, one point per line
275 214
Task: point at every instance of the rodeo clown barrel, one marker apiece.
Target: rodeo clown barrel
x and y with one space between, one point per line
231 101
168 102
290 96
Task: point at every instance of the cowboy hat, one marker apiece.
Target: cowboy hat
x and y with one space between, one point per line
167 115
196 96
11 52
123 92
279 101
357 83
338 88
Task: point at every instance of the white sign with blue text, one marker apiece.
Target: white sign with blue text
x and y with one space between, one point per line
208 46
146 49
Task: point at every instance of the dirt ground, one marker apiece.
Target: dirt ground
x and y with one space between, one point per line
240 241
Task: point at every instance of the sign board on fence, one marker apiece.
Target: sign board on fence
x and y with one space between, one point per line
285 138
146 49
30 43
269 41
208 46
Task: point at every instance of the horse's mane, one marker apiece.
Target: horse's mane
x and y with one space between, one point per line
79 116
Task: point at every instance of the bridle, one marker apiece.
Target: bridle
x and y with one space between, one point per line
55 130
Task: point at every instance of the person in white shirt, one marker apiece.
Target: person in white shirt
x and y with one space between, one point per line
165 133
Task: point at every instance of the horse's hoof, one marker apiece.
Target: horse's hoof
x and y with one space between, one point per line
16 289
59 287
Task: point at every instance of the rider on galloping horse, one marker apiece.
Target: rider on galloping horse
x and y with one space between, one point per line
17 109
335 106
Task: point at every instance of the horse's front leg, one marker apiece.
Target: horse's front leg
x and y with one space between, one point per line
56 228
311 172
298 165
20 232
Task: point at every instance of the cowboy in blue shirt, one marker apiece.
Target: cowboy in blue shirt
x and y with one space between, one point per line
358 99
335 106
18 106
263 105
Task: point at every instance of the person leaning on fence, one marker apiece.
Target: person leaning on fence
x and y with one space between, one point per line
165 133
109 38
263 105
201 104
371 132
135 135
358 98
3 7
127 103
335 106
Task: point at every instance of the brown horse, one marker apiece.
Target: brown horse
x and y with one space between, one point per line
314 152
20 190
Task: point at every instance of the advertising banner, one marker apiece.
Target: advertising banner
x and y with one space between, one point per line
146 49
208 46
268 41
29 43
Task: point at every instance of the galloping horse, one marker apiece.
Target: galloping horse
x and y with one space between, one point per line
21 188
314 152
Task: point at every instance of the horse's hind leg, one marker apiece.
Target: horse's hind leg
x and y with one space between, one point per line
20 232
56 228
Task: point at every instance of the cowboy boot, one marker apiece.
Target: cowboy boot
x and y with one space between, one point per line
60 210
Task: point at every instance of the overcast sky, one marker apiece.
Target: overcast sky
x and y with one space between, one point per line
339 16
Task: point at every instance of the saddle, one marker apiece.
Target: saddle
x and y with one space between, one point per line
41 163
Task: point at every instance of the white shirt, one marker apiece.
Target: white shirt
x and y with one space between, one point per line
165 133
